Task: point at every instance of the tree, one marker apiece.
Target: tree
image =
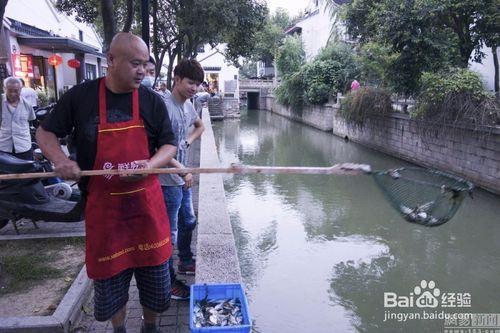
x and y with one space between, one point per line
460 20
240 34
111 13
290 56
270 37
165 40
248 69
409 28
180 27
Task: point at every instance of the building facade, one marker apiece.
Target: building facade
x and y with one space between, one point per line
221 76
318 26
37 37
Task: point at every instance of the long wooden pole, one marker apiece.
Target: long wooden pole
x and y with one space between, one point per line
337 169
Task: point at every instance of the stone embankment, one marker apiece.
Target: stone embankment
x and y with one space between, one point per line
468 152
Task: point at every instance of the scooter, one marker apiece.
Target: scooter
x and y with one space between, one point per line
29 198
54 186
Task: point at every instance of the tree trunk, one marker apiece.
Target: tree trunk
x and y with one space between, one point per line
145 21
465 53
108 22
130 16
171 57
495 62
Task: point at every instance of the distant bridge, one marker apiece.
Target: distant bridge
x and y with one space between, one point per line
254 90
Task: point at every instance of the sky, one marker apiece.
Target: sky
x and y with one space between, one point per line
292 6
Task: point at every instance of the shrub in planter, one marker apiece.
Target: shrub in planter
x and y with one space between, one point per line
455 96
365 102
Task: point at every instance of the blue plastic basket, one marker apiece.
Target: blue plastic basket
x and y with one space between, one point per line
218 291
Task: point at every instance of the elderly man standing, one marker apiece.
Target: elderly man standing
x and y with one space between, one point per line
16 114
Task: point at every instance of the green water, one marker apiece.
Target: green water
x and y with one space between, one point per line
317 253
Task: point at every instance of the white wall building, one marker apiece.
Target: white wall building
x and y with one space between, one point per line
34 31
316 27
220 75
486 68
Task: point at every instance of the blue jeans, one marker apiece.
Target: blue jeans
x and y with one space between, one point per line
180 212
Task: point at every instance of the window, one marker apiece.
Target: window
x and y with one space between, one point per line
90 72
104 70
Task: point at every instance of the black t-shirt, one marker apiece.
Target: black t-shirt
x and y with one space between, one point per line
77 113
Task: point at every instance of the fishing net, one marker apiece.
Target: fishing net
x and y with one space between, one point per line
423 196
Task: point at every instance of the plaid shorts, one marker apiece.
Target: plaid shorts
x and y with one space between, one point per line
111 294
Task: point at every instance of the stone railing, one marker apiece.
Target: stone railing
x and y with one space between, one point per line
257 83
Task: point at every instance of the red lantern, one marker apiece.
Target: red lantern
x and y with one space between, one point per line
73 63
55 60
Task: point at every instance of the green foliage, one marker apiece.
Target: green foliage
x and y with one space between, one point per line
374 61
248 69
331 71
364 103
436 86
291 91
267 42
321 78
281 19
424 35
43 98
344 55
455 96
270 37
239 32
290 56
84 11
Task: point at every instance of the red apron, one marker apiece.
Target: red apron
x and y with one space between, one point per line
126 223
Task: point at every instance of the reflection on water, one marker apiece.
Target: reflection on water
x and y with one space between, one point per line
317 253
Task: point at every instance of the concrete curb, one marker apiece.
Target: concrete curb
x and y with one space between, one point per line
42 236
61 320
216 258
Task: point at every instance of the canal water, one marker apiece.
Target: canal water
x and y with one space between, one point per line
328 254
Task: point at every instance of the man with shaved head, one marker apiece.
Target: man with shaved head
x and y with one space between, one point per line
119 124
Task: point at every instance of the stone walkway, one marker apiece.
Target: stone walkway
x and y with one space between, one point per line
174 320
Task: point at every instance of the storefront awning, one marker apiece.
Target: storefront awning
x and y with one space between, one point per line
58 44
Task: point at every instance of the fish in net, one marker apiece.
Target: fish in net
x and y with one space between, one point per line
423 196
